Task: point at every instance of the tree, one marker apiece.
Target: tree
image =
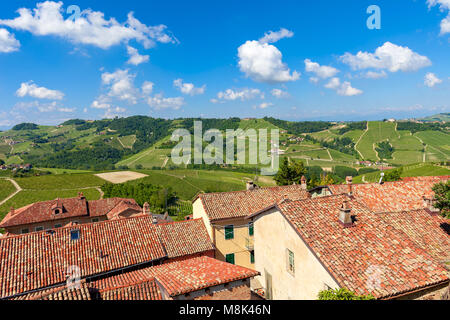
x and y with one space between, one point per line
442 198
2 162
290 173
394 175
342 294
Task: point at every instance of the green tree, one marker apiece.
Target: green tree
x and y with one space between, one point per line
342 294
394 175
290 173
442 197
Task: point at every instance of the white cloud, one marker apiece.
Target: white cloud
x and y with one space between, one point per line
389 56
322 72
279 93
100 104
443 5
242 94
32 90
342 89
120 85
147 88
8 42
262 62
374 75
159 102
272 37
314 80
135 58
263 105
113 112
91 28
188 88
431 80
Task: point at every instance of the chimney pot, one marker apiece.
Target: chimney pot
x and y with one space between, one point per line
146 208
250 186
345 216
428 203
349 181
303 183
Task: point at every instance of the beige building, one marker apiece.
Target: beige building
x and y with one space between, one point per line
224 215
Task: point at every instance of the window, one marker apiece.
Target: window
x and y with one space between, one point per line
290 262
95 220
252 256
24 231
74 235
37 229
250 229
230 258
229 232
57 211
58 226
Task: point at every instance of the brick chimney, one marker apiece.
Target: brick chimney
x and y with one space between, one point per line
250 186
349 181
345 216
146 208
428 203
80 195
303 183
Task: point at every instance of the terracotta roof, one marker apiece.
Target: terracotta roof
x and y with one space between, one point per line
240 204
369 251
392 196
73 207
181 238
39 260
181 277
141 290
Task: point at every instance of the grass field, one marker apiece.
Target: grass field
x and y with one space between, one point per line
378 132
6 189
60 182
416 170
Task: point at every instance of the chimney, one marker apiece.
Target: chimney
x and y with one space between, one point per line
250 185
80 195
345 216
146 208
428 203
155 220
349 181
303 183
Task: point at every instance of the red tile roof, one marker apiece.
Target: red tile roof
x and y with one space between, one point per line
240 204
370 251
142 290
39 260
181 277
392 196
74 207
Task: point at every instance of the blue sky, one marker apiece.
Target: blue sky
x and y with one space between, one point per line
294 60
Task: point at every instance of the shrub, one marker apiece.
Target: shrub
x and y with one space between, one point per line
342 294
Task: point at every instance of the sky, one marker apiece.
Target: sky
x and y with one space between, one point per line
293 60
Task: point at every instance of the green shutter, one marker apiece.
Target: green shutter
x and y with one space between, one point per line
229 232
230 258
250 229
252 256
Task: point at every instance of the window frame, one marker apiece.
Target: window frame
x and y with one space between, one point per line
94 220
290 264
251 229
57 226
38 229
252 256
25 231
233 258
227 233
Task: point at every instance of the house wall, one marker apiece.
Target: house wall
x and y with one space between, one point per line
216 231
273 236
236 290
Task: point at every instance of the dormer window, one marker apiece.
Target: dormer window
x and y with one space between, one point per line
57 211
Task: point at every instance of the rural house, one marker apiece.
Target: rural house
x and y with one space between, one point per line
62 212
126 259
385 240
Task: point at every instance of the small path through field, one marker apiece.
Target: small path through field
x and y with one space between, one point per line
18 189
424 149
165 162
359 140
120 141
331 158
102 194
142 156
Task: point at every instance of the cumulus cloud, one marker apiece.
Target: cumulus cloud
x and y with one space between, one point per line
279 93
272 37
443 5
120 85
263 105
135 58
390 57
8 42
147 88
375 75
263 62
188 88
91 28
242 94
32 90
431 80
322 72
159 102
342 89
